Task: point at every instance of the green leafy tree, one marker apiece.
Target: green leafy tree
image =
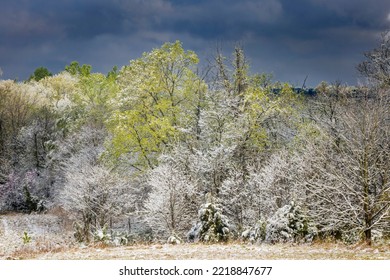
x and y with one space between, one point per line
92 98
75 69
40 73
155 103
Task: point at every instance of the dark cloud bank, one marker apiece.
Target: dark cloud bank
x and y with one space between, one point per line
323 39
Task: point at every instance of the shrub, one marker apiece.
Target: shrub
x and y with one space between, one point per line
289 224
256 233
212 227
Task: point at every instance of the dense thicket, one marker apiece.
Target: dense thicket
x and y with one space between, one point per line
158 150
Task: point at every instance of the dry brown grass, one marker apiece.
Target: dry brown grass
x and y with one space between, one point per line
224 251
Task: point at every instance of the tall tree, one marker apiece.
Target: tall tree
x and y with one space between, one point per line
155 102
376 67
242 122
349 188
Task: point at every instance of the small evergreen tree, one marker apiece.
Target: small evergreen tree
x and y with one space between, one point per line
212 227
289 224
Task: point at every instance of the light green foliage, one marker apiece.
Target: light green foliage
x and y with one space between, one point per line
26 238
92 98
17 106
258 112
75 69
81 97
266 112
59 88
156 99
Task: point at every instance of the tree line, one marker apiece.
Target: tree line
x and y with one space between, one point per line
163 149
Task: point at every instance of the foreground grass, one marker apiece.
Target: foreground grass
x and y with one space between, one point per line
52 238
327 251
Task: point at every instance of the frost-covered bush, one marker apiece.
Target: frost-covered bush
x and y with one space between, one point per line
112 238
351 237
256 233
23 192
102 235
277 182
174 239
289 224
212 227
239 202
93 196
170 207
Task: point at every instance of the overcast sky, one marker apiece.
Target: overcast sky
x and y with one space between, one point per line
324 39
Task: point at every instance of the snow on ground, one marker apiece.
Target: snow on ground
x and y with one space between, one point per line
51 238
47 232
223 251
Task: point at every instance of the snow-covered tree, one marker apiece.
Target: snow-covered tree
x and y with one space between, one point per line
26 130
349 187
212 226
289 224
236 198
279 181
171 206
376 67
93 196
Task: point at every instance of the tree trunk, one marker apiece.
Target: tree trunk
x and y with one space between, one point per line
368 236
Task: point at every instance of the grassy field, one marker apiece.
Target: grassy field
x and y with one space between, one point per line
226 251
329 251
49 240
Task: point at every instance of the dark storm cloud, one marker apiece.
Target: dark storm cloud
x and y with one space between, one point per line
90 21
227 20
22 25
47 20
322 38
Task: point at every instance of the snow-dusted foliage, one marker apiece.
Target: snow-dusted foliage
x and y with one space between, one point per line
250 200
171 206
149 141
22 192
289 224
80 149
91 193
59 90
174 239
256 233
278 182
239 201
213 226
93 196
210 167
26 131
